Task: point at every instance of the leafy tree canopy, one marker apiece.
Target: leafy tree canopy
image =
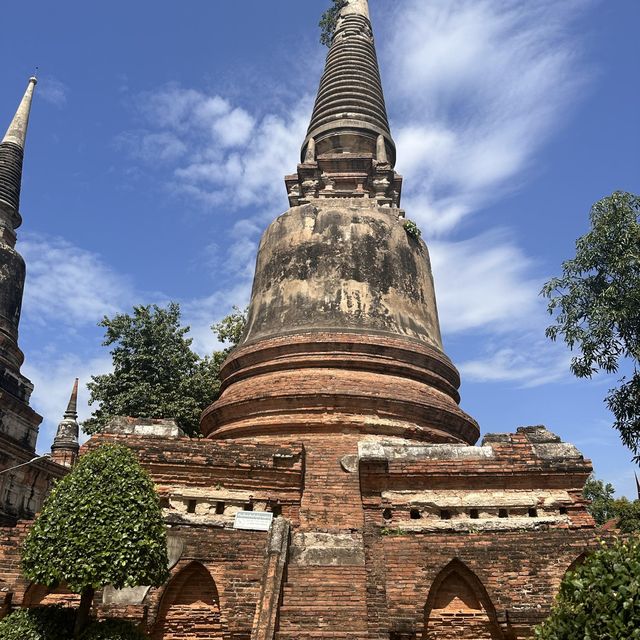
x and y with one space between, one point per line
605 507
596 303
329 21
600 599
101 524
155 372
40 623
602 506
231 329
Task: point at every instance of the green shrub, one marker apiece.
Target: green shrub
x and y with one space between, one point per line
412 229
600 599
40 623
113 630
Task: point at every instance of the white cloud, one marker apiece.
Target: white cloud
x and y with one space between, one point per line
234 157
152 147
478 86
234 129
53 91
68 285
483 283
526 362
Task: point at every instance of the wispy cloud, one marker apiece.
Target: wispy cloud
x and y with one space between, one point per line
523 362
483 282
53 91
478 86
220 153
69 285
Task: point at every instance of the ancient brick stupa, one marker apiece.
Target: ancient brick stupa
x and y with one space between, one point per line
340 493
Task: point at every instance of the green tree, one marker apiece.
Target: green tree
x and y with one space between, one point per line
600 599
329 21
628 514
101 525
602 506
155 372
231 329
596 303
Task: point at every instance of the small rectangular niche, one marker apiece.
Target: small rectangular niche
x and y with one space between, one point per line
191 506
474 514
445 514
248 506
564 511
415 514
219 508
276 509
533 512
503 513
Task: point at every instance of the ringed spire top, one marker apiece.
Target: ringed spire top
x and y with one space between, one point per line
350 112
12 152
356 7
348 151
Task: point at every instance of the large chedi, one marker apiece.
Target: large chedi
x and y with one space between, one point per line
343 329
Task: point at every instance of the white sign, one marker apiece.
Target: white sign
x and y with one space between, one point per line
253 520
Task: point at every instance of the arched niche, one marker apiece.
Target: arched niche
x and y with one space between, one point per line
38 595
190 607
576 563
459 607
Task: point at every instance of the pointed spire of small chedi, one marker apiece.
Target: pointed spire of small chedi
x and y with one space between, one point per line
65 447
349 151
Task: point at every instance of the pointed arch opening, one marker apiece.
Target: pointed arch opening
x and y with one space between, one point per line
38 595
459 607
190 607
577 562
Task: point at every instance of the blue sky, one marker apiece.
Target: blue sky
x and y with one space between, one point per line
161 132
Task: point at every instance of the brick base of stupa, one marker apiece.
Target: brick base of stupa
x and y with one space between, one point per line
373 537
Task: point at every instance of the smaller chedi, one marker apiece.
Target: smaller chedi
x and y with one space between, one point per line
25 477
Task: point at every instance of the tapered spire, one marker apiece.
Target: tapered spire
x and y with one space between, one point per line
12 265
65 447
350 113
12 152
349 151
72 407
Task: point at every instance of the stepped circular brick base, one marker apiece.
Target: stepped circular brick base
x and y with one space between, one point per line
339 382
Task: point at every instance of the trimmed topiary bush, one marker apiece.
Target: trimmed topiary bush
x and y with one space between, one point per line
39 623
113 630
600 599
101 525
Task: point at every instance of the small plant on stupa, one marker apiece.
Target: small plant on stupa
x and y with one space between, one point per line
101 525
412 229
329 21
